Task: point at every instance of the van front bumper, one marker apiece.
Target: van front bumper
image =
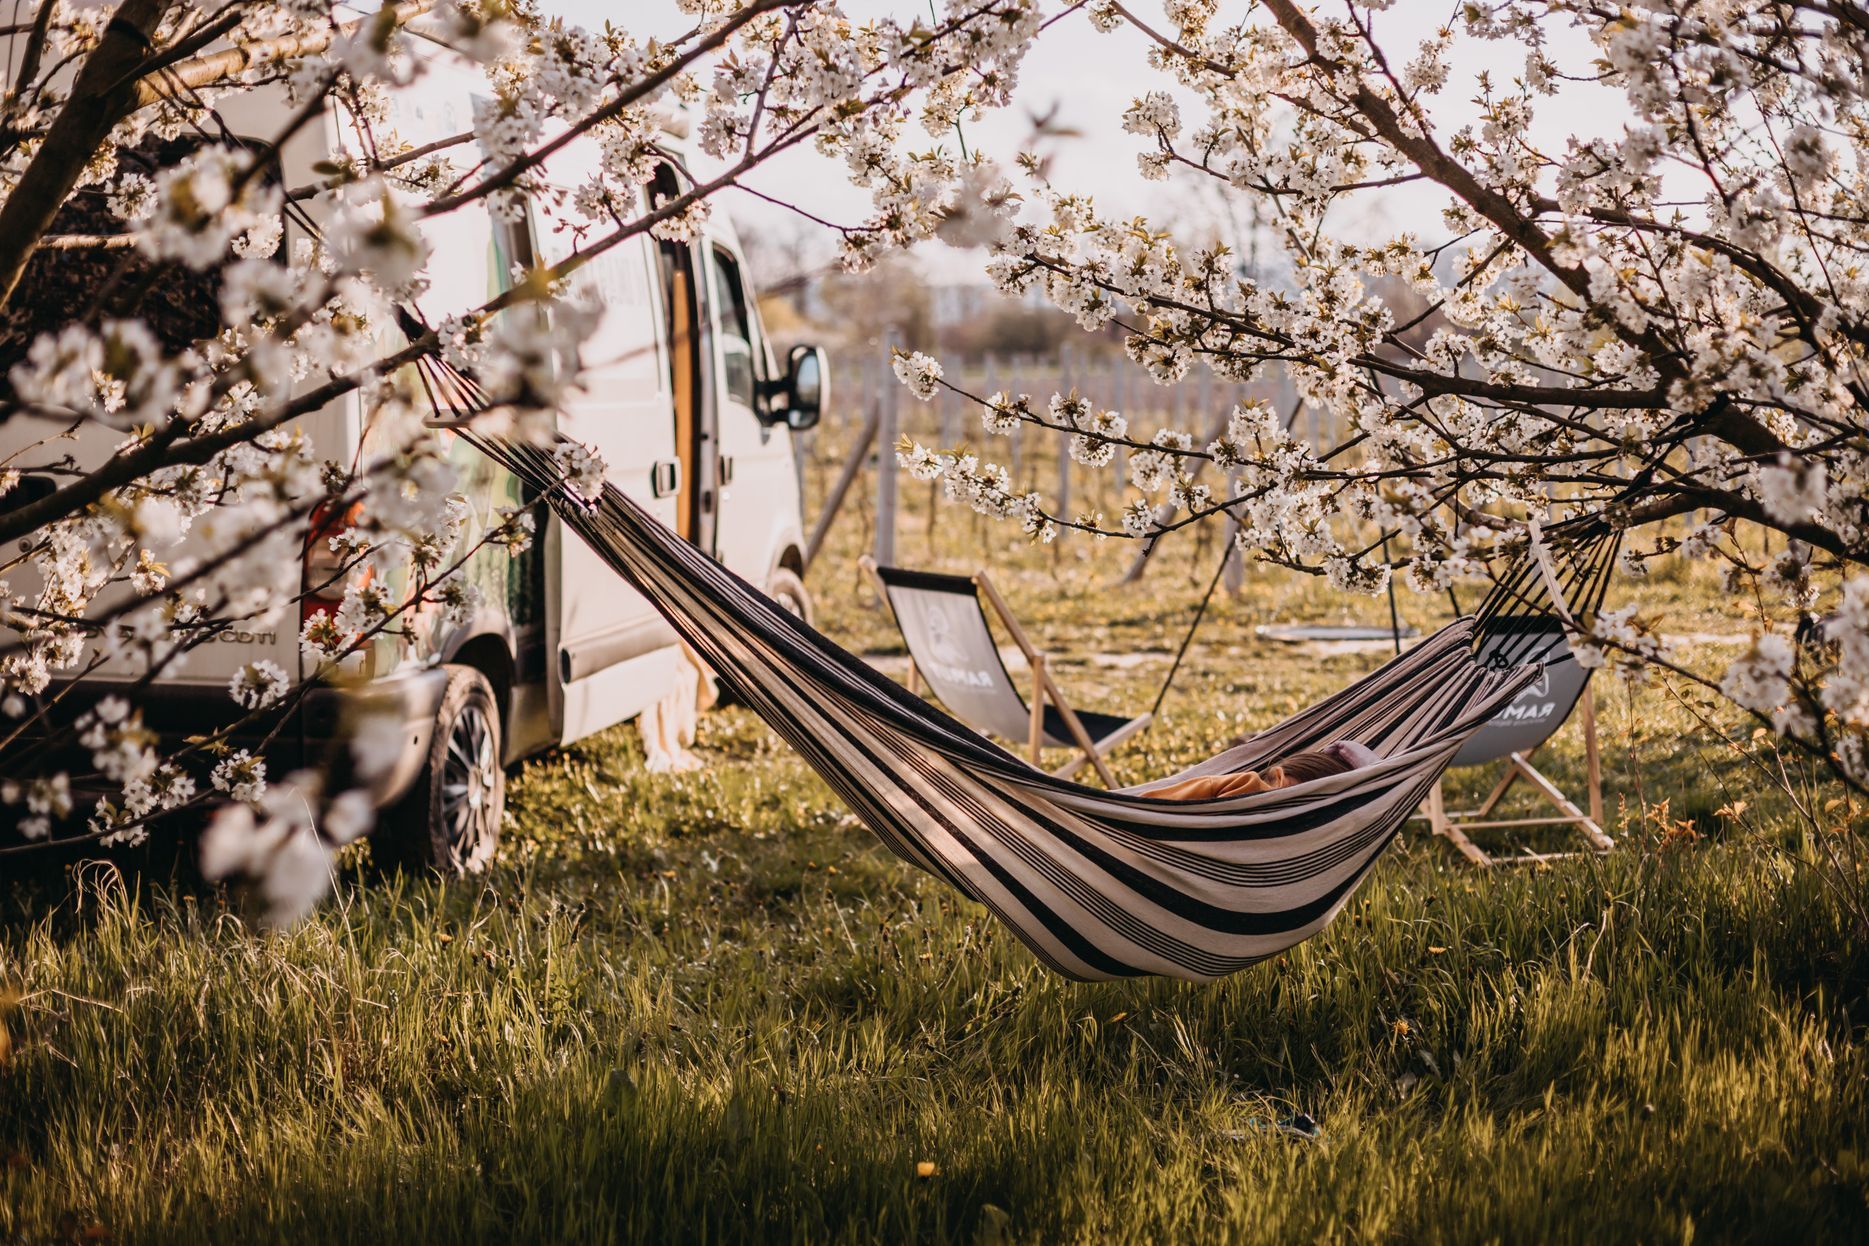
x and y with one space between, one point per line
313 734
409 698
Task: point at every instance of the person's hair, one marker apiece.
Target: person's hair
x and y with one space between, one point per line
1306 766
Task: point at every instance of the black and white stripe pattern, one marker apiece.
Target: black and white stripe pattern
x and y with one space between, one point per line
1098 884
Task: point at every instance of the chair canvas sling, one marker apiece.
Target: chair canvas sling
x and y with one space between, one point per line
943 620
1515 734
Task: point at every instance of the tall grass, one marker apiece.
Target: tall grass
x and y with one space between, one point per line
723 1041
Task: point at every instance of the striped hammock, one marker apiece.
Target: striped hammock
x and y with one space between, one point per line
1099 884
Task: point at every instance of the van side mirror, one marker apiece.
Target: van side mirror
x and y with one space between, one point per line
807 385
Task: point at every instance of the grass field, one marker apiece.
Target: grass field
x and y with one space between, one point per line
711 1008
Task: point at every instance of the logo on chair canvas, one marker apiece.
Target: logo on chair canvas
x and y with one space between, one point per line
941 642
949 658
1525 706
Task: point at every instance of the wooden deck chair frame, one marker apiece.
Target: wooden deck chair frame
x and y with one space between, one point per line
1044 687
1453 825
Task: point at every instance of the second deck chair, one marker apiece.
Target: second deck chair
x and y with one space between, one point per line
1518 731
943 619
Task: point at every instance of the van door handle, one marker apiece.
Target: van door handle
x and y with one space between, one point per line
726 469
665 478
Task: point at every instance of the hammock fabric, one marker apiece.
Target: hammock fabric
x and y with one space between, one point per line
1099 884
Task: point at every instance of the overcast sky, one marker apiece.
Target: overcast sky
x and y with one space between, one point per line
1090 78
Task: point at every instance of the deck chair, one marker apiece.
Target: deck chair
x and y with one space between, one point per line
1516 733
943 620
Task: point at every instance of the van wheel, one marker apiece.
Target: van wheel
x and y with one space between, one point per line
784 587
450 820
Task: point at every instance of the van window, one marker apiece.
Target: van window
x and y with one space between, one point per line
736 328
524 575
512 250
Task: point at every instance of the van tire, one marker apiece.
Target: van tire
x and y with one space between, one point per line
449 822
784 587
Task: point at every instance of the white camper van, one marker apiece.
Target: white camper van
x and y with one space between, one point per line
694 418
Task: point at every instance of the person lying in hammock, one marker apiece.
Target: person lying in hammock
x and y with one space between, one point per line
1338 758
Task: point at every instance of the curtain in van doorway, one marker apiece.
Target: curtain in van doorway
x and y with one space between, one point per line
669 726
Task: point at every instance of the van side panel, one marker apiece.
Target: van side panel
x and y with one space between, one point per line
473 257
210 666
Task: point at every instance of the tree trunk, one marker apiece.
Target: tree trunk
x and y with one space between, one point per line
104 93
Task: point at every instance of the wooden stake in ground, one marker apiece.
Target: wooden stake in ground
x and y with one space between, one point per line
887 416
853 466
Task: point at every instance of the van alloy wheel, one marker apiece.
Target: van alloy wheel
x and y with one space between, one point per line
449 821
784 587
470 787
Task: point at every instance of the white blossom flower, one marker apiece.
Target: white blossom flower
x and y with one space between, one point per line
241 775
376 739
1793 492
258 684
921 462
1153 114
1760 679
1003 413
581 468
1353 576
349 817
118 374
480 32
918 372
227 846
376 236
297 876
197 212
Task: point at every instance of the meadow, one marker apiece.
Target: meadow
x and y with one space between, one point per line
710 1008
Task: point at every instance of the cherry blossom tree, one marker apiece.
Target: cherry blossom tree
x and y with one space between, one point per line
218 339
1663 327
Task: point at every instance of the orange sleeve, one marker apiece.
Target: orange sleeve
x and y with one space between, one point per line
1216 786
